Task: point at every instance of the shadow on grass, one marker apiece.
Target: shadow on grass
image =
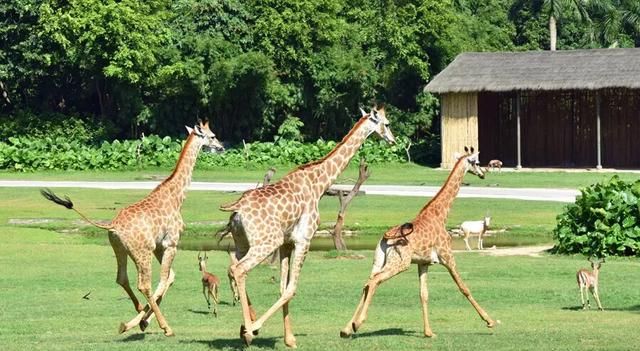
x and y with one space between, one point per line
635 308
236 343
134 337
386 332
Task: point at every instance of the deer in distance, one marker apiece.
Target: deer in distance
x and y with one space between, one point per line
588 280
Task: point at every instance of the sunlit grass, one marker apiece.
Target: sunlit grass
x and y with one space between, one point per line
45 275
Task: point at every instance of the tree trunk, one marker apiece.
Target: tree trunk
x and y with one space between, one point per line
345 199
553 34
338 240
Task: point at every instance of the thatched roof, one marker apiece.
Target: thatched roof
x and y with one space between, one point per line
540 70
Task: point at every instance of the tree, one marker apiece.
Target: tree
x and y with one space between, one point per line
555 9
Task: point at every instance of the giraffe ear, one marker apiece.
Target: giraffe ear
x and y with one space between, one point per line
363 112
189 129
457 155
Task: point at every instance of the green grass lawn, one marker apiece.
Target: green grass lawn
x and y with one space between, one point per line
45 275
406 174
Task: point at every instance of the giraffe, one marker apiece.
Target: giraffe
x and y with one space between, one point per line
423 241
152 226
285 215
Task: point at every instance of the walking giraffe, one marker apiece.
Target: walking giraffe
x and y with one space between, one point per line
285 215
152 226
423 241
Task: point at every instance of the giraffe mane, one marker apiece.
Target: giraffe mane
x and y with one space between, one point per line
187 143
464 157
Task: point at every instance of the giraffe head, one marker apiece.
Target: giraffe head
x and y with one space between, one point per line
377 122
205 137
472 162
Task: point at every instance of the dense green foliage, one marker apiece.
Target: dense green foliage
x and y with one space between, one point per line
249 65
61 153
604 221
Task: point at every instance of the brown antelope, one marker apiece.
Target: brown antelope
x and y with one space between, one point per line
475 227
493 164
589 280
210 283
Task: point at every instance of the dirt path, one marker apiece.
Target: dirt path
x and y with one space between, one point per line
533 251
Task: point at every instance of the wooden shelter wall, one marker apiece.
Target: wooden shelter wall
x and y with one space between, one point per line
459 125
558 129
620 125
497 128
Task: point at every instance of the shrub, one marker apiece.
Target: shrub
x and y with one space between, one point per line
64 153
604 220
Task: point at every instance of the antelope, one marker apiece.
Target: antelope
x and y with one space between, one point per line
210 283
475 227
493 164
589 280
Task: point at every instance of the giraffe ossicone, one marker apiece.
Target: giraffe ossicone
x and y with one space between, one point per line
151 227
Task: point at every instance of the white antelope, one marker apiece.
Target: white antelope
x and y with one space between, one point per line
588 280
475 227
210 283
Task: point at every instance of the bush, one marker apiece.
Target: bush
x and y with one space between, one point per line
604 220
64 153
53 125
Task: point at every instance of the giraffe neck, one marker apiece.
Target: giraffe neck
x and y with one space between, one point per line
326 170
444 198
177 183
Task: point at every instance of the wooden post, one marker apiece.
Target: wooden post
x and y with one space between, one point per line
598 131
345 199
519 148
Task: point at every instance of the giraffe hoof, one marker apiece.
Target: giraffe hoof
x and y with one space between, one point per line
122 328
491 324
291 343
169 332
429 334
247 338
143 324
345 333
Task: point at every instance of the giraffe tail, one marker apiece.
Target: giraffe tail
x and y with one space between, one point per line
231 206
66 202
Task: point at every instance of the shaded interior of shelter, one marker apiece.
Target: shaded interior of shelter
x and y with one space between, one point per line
559 128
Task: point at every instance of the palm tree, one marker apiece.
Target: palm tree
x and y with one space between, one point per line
556 8
614 20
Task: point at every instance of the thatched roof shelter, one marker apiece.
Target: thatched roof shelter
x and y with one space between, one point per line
540 70
573 108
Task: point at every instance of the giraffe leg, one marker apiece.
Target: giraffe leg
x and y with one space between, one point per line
252 258
285 257
424 298
299 254
144 285
395 265
372 285
167 277
450 263
122 278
